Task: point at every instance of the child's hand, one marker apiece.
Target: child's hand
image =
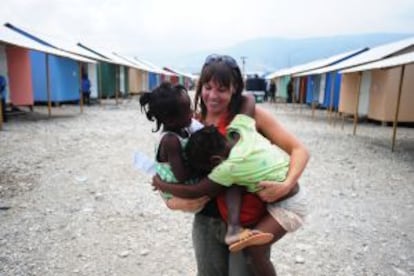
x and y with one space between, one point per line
156 182
271 191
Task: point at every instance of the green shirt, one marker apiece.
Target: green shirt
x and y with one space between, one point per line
252 159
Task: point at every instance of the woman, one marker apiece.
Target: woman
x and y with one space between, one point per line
219 96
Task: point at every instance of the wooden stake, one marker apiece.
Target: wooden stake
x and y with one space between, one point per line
1 114
394 127
332 88
100 83
49 100
357 103
80 86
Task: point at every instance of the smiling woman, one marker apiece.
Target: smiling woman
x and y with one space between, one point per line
219 98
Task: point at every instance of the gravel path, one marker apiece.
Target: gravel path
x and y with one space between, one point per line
71 202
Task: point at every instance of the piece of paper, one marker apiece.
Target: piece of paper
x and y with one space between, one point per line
144 163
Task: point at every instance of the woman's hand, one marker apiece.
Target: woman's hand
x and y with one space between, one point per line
187 205
271 191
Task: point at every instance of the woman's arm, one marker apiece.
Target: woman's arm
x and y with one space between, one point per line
204 187
270 128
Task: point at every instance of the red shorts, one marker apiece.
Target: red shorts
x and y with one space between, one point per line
252 209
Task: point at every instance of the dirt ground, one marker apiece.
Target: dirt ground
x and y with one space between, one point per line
72 203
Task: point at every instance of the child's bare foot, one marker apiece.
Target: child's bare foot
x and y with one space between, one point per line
246 237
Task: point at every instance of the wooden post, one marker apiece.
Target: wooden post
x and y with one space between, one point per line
394 127
80 87
313 106
301 94
49 102
1 114
100 83
117 79
331 99
357 103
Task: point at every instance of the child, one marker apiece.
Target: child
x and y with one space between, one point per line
170 107
245 158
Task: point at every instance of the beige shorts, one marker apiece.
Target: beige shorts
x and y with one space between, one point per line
291 212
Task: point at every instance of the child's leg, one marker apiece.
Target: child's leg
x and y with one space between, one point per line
259 256
233 202
237 237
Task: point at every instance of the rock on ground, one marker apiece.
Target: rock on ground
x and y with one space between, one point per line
71 202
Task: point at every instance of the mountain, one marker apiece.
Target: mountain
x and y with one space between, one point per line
272 53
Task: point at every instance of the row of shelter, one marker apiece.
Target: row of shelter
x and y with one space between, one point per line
375 83
39 69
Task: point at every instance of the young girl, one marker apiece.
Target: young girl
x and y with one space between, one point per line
170 107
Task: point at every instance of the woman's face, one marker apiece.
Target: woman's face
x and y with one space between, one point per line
216 97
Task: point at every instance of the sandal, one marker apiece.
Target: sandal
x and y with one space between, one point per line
248 237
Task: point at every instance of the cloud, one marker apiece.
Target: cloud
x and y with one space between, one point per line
183 26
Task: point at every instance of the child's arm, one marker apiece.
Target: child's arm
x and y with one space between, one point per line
248 105
171 152
204 187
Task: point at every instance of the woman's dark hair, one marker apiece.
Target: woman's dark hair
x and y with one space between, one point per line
202 145
162 103
225 74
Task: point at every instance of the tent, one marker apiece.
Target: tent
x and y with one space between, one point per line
360 83
317 83
391 93
57 73
18 47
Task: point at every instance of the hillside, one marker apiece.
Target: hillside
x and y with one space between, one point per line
270 54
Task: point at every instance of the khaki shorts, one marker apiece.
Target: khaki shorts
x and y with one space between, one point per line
291 212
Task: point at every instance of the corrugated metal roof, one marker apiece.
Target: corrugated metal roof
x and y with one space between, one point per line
154 67
183 74
108 56
141 65
311 65
371 55
384 63
334 60
9 36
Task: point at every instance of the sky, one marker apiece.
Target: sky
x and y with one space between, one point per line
178 27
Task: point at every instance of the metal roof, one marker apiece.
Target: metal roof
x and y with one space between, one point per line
371 55
311 65
108 56
9 36
188 75
154 67
139 64
385 63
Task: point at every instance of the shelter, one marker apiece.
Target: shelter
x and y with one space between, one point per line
392 85
319 86
359 83
57 74
18 65
157 75
140 76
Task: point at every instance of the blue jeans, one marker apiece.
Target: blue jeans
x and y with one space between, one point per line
211 252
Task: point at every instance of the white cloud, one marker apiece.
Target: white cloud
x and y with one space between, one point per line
184 26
